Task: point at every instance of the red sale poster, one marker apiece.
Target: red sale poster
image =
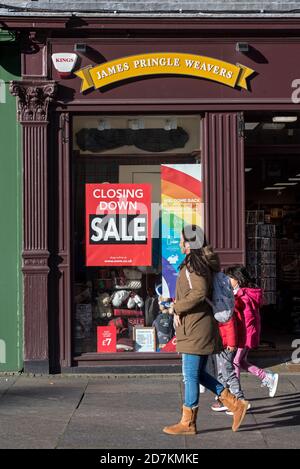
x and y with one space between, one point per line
106 339
118 225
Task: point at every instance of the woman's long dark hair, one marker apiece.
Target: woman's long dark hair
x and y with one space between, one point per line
241 275
195 261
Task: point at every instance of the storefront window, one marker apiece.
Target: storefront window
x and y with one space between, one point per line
126 252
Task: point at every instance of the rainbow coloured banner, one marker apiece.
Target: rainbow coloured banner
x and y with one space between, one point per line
182 204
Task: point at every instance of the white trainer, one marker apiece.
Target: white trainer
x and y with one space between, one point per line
271 381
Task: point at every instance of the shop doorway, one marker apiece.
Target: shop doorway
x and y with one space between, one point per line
272 196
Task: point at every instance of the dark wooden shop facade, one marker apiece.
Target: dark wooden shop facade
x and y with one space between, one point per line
45 107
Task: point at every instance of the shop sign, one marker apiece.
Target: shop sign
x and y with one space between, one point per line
106 339
64 63
182 204
165 63
118 225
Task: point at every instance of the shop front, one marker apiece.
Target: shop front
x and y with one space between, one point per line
128 136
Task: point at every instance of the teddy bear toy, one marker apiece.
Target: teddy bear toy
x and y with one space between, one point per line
104 309
165 304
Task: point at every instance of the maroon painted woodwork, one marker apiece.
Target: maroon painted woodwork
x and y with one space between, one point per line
274 45
32 112
64 240
223 160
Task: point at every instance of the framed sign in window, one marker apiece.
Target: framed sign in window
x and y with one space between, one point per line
144 339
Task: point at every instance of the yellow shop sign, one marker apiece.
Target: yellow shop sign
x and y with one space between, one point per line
164 63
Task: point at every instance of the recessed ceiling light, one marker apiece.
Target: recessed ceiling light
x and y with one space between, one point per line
273 126
285 184
251 125
247 170
294 179
274 188
284 118
171 124
136 124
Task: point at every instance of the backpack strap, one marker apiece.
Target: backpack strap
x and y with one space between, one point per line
187 273
188 278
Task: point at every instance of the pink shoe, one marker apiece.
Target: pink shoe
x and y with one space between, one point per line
218 406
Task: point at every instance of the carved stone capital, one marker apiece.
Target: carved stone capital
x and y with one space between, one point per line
33 99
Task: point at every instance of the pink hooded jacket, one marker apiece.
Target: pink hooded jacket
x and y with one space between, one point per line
247 303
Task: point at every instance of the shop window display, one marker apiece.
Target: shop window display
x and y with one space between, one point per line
261 253
120 309
273 260
125 298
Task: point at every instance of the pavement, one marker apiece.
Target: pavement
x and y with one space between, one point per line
119 412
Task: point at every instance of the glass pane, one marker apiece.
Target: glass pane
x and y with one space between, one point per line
117 303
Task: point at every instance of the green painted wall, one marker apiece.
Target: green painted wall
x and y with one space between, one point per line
11 320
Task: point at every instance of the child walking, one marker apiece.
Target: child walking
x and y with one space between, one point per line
231 340
248 300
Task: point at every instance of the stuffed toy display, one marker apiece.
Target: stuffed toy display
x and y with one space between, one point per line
121 325
165 304
152 309
122 297
128 279
135 301
125 345
119 297
132 274
103 308
128 312
130 285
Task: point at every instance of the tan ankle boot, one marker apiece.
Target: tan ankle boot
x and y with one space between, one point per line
237 406
187 424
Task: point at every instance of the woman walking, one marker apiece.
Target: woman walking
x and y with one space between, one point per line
197 332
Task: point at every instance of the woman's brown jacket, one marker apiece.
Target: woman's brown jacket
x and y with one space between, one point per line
198 333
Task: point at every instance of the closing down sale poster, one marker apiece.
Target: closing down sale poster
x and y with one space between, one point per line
118 225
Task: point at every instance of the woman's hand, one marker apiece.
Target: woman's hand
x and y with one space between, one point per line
177 320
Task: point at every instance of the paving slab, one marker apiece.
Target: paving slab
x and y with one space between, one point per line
6 382
130 412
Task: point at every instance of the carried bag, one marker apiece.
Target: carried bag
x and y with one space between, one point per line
222 302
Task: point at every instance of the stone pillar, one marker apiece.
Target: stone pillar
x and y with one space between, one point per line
33 98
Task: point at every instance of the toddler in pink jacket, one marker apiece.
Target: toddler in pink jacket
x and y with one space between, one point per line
248 300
